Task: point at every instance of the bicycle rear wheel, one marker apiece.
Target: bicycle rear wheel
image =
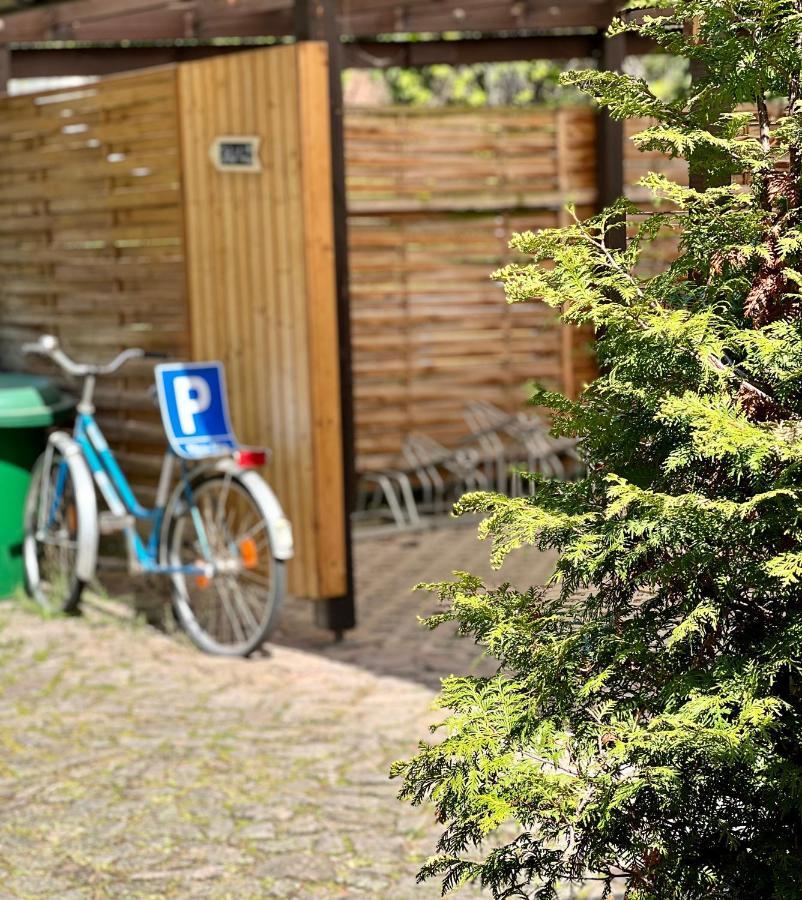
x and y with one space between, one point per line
52 534
232 612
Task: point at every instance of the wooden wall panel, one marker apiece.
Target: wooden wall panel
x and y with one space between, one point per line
261 281
402 159
434 196
637 164
91 239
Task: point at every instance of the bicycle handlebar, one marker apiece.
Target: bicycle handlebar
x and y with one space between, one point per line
48 346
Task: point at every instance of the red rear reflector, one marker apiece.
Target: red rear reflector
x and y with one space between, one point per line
250 459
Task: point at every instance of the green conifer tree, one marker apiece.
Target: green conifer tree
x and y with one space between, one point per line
645 724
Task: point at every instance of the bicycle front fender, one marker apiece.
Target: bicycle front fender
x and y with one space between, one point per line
278 525
86 501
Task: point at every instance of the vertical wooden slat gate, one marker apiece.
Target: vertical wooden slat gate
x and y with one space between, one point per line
261 279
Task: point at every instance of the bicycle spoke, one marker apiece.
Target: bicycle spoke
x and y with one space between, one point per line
241 603
260 525
57 542
254 600
228 605
209 608
232 607
221 501
52 533
255 578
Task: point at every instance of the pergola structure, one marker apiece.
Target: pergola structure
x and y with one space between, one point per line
147 20
48 37
100 37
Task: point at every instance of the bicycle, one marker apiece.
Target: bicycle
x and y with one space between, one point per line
219 533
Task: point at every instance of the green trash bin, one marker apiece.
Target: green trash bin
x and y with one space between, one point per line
29 405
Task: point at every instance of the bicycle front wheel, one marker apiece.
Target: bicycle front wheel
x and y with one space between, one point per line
52 534
233 611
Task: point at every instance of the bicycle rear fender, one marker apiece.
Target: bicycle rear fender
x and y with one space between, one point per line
86 557
278 525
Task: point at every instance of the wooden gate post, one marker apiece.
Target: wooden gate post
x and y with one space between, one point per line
5 67
316 20
610 143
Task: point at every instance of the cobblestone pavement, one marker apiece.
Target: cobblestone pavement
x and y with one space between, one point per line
389 639
133 766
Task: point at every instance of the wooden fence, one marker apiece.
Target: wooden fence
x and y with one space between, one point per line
434 196
91 238
637 164
117 230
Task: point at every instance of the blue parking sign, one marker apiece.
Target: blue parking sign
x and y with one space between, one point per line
194 408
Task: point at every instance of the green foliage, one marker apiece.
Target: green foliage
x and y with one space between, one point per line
523 83
645 724
481 84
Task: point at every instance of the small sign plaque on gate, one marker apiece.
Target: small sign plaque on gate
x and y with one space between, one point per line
236 153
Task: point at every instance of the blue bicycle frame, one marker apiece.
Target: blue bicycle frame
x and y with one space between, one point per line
123 504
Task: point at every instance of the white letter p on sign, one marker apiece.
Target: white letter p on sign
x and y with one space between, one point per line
192 397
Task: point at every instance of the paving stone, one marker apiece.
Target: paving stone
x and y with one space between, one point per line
133 766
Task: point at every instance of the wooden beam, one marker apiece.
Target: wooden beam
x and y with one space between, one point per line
610 139
369 54
315 20
699 176
367 17
410 54
111 21
5 67
37 61
119 20
562 147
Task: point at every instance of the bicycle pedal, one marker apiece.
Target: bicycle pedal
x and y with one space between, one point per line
111 524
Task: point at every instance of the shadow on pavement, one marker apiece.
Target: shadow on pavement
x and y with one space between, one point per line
388 639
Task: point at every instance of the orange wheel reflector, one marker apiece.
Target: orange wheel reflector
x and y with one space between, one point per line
202 581
72 519
249 553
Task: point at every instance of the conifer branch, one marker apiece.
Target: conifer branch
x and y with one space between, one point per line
716 362
644 726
